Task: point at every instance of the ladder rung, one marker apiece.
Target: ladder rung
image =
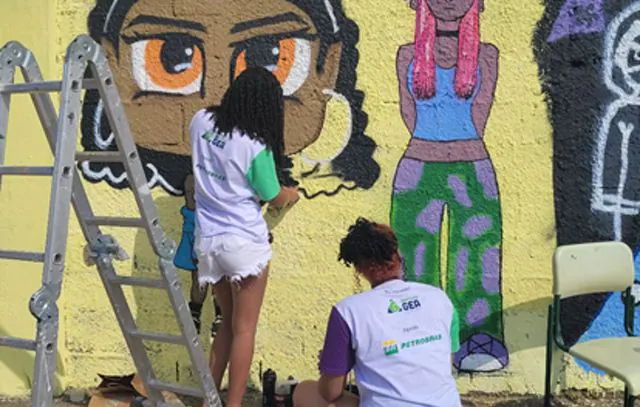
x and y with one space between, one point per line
139 282
157 337
175 388
95 157
22 256
5 170
118 222
17 343
42 87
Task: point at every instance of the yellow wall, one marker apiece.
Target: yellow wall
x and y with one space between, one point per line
306 280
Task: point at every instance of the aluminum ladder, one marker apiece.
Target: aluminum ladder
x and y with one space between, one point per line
85 55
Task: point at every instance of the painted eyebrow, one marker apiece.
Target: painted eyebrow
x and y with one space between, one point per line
281 18
156 20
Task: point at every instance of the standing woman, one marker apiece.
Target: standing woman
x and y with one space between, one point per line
237 147
447 84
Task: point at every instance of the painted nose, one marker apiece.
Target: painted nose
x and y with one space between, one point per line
218 77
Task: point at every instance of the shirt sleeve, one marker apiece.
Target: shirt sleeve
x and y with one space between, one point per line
338 356
262 176
455 331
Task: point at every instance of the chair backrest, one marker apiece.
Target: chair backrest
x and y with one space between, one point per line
591 268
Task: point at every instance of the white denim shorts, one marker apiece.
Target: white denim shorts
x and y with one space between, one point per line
230 256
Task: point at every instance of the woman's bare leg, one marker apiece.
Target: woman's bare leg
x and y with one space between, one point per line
221 347
247 302
307 395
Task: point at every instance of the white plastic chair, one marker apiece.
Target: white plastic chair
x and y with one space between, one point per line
596 268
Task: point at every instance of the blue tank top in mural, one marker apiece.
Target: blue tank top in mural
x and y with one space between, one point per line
444 117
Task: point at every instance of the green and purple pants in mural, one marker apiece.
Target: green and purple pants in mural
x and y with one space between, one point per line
468 191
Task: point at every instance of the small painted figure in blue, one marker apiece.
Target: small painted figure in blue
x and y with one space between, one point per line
186 259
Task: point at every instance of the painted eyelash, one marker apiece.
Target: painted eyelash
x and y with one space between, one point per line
302 34
130 39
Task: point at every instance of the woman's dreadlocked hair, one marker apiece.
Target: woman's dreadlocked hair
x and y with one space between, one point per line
254 105
372 248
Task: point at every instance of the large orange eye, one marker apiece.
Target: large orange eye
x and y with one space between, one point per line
174 65
288 59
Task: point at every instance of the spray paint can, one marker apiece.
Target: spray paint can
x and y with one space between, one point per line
269 379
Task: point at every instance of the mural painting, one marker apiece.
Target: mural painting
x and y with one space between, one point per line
447 80
171 58
589 57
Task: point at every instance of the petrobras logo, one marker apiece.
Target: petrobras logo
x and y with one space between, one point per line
405 305
390 347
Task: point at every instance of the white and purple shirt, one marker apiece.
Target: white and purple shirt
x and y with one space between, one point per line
232 172
398 338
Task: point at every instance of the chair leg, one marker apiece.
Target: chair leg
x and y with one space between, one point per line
548 360
629 400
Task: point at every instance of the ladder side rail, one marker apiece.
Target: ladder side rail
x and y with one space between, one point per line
104 263
188 330
124 139
9 55
43 303
162 246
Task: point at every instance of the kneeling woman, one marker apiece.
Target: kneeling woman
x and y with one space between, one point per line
399 337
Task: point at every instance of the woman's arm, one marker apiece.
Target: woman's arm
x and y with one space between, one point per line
331 388
407 102
481 106
337 358
286 198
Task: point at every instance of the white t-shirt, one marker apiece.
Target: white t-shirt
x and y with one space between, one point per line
398 338
231 174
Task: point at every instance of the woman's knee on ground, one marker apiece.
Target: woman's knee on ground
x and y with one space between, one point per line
305 393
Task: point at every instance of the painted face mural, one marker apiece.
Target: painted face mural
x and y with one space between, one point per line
446 94
174 57
589 57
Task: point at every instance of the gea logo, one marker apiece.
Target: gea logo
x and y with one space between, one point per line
408 304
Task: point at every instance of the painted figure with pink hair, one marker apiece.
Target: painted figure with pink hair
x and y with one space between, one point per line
447 80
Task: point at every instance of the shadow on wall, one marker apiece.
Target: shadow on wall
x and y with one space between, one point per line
585 50
21 363
154 312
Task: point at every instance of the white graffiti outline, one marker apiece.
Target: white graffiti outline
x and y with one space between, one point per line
332 16
112 9
106 172
616 203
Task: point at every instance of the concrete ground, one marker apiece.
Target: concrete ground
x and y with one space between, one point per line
567 399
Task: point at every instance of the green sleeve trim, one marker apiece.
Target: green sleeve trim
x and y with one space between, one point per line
262 176
455 331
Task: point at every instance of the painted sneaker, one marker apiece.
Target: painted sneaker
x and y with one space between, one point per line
216 326
195 315
481 353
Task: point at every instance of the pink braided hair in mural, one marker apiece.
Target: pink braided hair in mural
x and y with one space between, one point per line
424 70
